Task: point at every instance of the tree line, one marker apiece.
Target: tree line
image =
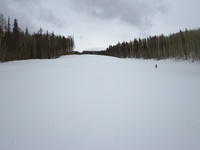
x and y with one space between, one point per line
16 44
180 45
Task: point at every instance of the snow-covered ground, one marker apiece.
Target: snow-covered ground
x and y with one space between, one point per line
99 103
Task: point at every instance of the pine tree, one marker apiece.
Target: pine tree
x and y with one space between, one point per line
16 39
2 22
8 42
8 36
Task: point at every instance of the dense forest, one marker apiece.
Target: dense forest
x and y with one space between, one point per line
181 45
15 44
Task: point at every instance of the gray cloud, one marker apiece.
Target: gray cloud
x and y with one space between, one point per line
4 9
20 9
30 13
35 2
133 12
49 17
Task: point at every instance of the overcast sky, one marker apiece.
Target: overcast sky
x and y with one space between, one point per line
96 24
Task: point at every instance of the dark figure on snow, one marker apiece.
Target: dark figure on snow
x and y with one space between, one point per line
156 66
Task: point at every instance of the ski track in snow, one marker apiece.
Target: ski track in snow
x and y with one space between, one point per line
98 102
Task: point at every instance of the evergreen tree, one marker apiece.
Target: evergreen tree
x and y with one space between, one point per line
2 22
17 44
8 36
16 39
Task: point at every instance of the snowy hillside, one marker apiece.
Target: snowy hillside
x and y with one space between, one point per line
99 103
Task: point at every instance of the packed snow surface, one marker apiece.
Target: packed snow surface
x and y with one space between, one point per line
99 103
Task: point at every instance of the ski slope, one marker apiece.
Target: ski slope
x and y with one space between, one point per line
99 103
